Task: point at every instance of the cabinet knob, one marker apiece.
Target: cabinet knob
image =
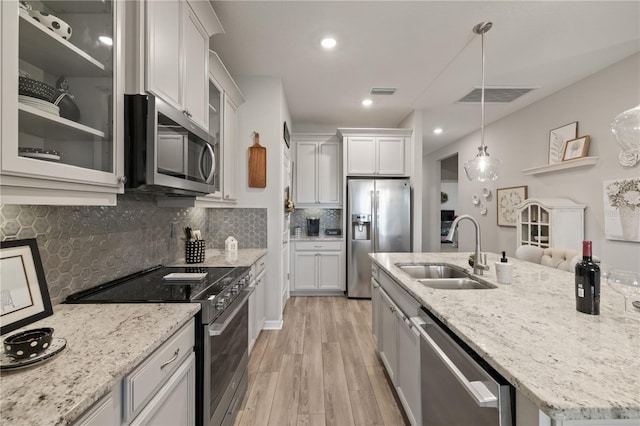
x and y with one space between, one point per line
122 179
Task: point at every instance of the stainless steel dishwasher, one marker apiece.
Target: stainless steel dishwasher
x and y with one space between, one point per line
456 389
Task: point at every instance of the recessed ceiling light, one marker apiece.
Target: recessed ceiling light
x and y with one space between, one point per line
108 41
437 130
367 102
328 43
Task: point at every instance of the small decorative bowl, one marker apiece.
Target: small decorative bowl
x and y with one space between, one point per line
28 343
54 23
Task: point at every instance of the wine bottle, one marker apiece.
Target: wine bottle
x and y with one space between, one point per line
587 282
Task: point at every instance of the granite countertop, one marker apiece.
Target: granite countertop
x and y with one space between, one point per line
571 365
219 258
104 343
318 238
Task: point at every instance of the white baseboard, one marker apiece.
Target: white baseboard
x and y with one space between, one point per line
273 325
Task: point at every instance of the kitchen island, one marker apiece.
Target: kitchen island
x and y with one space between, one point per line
105 342
570 365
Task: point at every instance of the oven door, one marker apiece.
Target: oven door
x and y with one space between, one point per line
225 361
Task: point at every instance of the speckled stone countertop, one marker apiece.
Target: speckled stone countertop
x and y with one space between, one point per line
571 365
220 258
104 343
318 238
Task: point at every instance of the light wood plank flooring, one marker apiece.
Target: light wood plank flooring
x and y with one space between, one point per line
320 369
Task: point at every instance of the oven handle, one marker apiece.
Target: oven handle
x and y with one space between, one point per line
478 391
216 329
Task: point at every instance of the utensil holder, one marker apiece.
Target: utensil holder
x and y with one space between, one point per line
194 251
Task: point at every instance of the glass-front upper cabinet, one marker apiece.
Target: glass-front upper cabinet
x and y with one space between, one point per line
61 99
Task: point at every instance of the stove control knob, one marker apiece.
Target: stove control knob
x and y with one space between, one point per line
220 303
235 289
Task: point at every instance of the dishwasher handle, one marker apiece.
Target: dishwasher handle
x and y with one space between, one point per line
478 391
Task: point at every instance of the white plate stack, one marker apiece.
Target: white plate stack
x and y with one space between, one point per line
40 104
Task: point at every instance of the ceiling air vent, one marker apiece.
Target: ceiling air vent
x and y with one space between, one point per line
496 94
382 90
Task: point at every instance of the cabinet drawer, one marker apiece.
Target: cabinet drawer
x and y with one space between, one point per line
374 272
260 265
142 383
319 246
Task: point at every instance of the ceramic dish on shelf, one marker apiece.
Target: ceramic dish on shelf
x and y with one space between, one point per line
8 363
475 200
40 153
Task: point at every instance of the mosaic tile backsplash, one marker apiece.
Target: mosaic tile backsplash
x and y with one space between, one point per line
82 247
329 218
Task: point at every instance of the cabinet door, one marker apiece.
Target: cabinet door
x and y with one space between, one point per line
260 294
229 149
330 271
408 368
388 344
361 156
306 173
375 312
174 404
329 172
196 70
253 320
390 156
306 273
164 39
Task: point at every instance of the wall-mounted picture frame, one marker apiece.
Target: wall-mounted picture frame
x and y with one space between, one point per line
576 148
24 296
507 200
557 139
286 135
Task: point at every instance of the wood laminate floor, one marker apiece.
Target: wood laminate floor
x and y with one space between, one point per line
320 369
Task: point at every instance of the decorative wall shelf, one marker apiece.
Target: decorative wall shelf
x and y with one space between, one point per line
580 162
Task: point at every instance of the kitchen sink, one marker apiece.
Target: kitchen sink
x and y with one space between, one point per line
432 271
456 284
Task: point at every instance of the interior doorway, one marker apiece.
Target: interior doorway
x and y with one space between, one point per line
448 201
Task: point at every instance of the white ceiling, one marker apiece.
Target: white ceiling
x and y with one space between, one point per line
426 49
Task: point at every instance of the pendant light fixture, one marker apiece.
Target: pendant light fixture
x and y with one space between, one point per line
483 167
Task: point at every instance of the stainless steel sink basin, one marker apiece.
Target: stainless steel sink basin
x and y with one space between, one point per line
456 284
432 271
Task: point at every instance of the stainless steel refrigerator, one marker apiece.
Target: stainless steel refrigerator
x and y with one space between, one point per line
379 220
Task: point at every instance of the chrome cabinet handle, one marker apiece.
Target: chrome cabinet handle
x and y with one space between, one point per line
175 356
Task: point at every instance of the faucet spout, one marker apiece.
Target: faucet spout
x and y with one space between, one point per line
478 266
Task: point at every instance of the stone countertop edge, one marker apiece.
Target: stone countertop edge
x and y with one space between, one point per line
215 258
571 365
319 238
105 342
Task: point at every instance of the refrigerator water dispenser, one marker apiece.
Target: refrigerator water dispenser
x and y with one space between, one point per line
361 226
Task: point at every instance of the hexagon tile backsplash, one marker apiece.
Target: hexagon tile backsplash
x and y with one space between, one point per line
82 247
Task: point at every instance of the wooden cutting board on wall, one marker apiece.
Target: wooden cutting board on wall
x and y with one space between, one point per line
257 164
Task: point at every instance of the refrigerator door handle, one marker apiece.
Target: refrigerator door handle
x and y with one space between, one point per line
376 205
374 224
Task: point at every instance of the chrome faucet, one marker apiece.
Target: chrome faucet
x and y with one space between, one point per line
478 265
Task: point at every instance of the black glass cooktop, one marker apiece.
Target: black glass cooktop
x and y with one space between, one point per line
151 286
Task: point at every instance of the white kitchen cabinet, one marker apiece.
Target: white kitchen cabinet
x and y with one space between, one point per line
224 100
318 171
177 49
375 305
318 267
256 300
70 154
552 222
174 403
376 152
398 341
105 412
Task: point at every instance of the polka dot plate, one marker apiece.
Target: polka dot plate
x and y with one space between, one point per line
8 363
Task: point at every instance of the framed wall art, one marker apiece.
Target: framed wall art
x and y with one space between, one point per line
24 296
507 200
557 139
576 148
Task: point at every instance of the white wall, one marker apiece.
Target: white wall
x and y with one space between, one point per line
451 189
521 141
264 112
414 121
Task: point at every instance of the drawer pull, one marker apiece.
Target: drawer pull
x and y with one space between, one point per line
175 356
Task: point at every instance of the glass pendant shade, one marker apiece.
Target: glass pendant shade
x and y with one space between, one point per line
626 128
482 168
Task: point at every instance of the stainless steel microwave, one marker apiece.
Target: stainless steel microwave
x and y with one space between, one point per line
165 153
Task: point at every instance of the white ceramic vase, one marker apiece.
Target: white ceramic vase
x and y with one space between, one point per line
630 221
